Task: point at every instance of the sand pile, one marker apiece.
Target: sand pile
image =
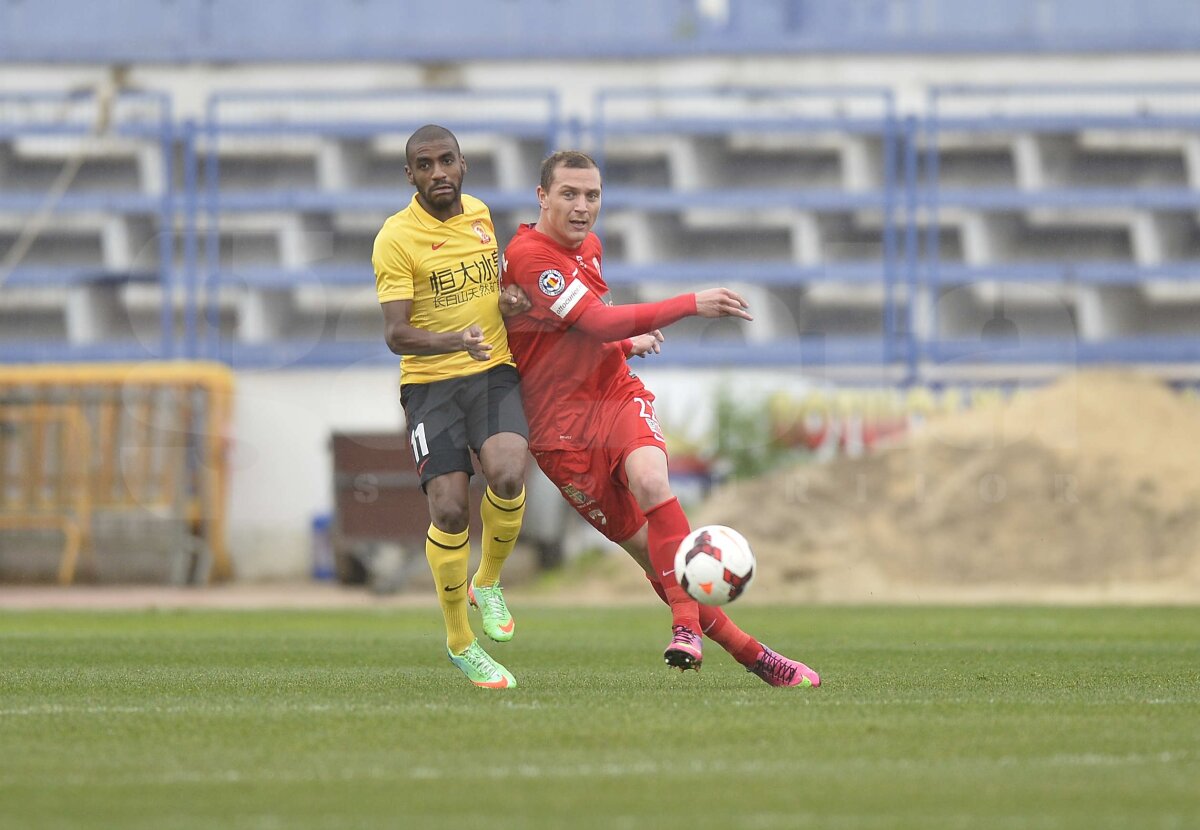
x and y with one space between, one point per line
1086 489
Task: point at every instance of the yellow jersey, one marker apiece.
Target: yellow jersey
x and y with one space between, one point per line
451 272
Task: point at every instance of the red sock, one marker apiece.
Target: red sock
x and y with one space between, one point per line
721 630
667 525
725 633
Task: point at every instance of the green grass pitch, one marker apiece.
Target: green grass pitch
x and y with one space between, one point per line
928 718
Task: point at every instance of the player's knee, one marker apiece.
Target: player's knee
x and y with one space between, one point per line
503 459
650 489
507 483
449 515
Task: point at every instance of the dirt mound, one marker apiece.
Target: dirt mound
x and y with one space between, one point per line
1088 488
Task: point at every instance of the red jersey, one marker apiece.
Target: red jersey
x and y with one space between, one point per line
570 380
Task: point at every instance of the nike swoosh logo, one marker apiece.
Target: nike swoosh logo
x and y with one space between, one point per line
507 628
503 541
668 573
437 245
455 588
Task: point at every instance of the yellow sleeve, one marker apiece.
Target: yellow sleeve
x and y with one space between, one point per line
393 268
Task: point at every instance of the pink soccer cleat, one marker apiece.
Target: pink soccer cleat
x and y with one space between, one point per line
685 651
778 670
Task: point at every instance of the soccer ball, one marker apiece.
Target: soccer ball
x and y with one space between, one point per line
714 564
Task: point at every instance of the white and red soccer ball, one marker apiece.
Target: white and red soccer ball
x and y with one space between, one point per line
714 564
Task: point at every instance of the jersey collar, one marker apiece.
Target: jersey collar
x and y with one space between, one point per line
427 220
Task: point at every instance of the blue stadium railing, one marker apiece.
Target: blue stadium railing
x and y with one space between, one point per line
927 192
909 199
879 122
215 203
161 207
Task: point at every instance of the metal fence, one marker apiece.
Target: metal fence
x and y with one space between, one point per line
869 240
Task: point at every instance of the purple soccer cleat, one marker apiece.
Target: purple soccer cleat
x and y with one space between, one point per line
685 651
778 670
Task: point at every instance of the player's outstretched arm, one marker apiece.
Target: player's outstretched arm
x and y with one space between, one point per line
627 321
404 338
619 322
721 302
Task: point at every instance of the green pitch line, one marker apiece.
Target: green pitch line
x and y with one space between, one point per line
927 718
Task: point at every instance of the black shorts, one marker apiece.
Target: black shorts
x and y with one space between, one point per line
448 419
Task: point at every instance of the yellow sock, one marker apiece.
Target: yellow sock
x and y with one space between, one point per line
501 526
447 554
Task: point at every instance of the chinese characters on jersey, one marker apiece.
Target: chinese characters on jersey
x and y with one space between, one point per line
470 279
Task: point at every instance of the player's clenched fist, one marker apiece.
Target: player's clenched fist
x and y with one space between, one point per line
472 343
513 300
721 302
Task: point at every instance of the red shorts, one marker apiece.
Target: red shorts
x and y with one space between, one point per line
592 478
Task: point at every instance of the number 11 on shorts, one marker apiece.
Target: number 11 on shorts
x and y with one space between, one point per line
419 446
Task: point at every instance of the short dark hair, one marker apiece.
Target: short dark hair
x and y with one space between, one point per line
565 158
430 132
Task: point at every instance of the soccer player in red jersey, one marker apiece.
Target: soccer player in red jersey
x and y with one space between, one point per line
593 429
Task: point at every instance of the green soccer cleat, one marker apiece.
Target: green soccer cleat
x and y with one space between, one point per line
497 622
481 669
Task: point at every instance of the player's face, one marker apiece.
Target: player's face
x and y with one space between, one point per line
571 206
436 170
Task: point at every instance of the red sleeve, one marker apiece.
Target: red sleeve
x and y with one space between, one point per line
545 278
561 300
621 321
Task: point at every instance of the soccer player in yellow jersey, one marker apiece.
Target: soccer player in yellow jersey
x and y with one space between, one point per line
437 275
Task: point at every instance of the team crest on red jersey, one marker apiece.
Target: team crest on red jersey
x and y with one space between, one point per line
481 232
575 494
552 283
